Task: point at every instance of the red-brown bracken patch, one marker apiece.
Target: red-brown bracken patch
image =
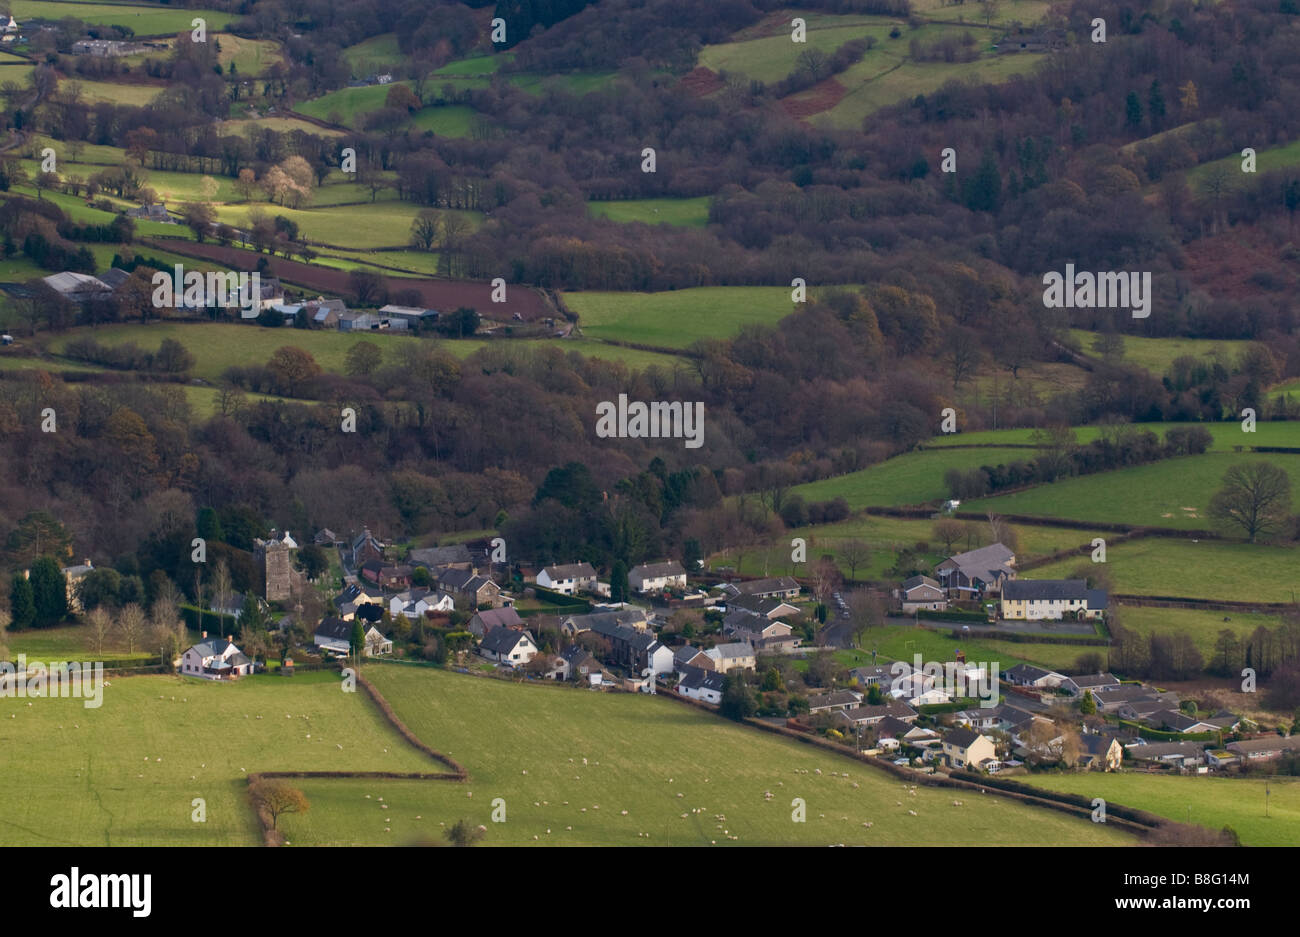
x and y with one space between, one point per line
1226 265
820 97
700 81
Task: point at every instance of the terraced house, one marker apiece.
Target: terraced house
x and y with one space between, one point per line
1051 599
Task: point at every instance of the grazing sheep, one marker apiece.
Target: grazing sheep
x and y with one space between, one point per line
912 812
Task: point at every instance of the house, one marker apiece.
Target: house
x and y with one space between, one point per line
922 592
688 656
1265 749
581 666
1174 721
743 625
781 587
1051 599
966 748
835 701
881 676
270 292
215 659
77 287
335 635
1144 708
72 576
353 597
1029 675
979 718
508 646
568 580
11 26
455 556
481 623
1100 751
473 589
1076 685
1111 699
386 575
154 211
1180 754
653 655
971 574
768 607
325 538
656 577
605 622
364 548
732 656
700 684
868 715
415 603
890 732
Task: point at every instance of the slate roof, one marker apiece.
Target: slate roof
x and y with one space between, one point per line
499 618
440 556
695 678
570 571
503 640
335 629
1045 590
960 737
766 586
655 571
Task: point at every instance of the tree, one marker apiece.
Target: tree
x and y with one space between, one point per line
403 97
362 359
1255 498
618 587
199 217
49 592
1087 705
276 798
100 626
222 585
131 621
358 639
464 833
1133 111
38 534
246 183
949 531
738 701
855 553
366 286
313 561
425 229
293 366
22 603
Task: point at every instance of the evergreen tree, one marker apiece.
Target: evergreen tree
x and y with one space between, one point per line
209 526
737 699
358 637
49 591
618 587
1133 110
983 192
22 604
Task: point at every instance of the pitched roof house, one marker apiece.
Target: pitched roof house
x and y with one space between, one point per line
474 589
656 577
508 646
1039 599
481 623
215 659
701 684
780 587
569 579
974 572
966 748
733 655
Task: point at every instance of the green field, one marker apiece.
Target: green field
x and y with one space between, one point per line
278 124
80 212
126 773
1170 493
454 120
145 20
1157 354
1208 569
1202 626
350 104
251 56
1214 802
1227 436
678 319
114 92
377 224
692 212
374 54
911 478
641 753
70 643
902 642
1266 160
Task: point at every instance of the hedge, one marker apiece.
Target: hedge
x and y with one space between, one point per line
953 615
213 622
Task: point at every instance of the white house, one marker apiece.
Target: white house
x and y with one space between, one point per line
700 684
569 579
1037 599
656 577
335 634
413 603
508 646
215 659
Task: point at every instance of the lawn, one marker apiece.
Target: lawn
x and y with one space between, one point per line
145 20
903 642
126 773
377 224
453 120
1266 160
678 319
1213 802
66 644
641 752
1208 569
378 53
1157 354
1202 626
911 478
114 92
1227 436
692 212
80 212
1171 493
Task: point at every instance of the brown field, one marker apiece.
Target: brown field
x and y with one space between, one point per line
820 97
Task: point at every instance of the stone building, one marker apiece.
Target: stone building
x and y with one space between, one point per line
275 563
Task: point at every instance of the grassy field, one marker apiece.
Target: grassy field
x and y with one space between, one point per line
886 536
1157 354
279 124
348 104
641 753
692 212
65 644
1227 436
677 319
251 56
902 642
80 212
1202 626
116 92
1266 160
911 478
144 20
378 224
172 187
1171 493
374 54
1213 802
1207 569
455 120
126 773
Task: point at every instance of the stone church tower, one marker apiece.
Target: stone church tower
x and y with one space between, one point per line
275 563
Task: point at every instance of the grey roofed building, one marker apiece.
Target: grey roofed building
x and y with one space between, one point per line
914 581
696 678
502 640
212 647
780 585
1098 600
686 653
732 650
766 606
974 569
605 622
451 555
410 313
114 277
645 571
869 714
892 728
77 287
570 571
836 699
1045 590
152 212
1168 751
1027 674
961 737
334 629
1091 681
481 623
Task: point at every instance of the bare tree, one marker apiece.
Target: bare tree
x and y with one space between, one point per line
1255 498
948 531
855 553
131 622
221 587
99 625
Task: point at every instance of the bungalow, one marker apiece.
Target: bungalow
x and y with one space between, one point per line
475 590
335 635
705 685
893 728
508 646
1180 754
656 577
966 748
483 622
865 676
215 659
1076 685
871 715
922 592
1174 721
1110 699
975 572
413 604
1051 599
1100 751
766 606
781 587
1029 675
835 701
603 622
732 656
1265 749
569 579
